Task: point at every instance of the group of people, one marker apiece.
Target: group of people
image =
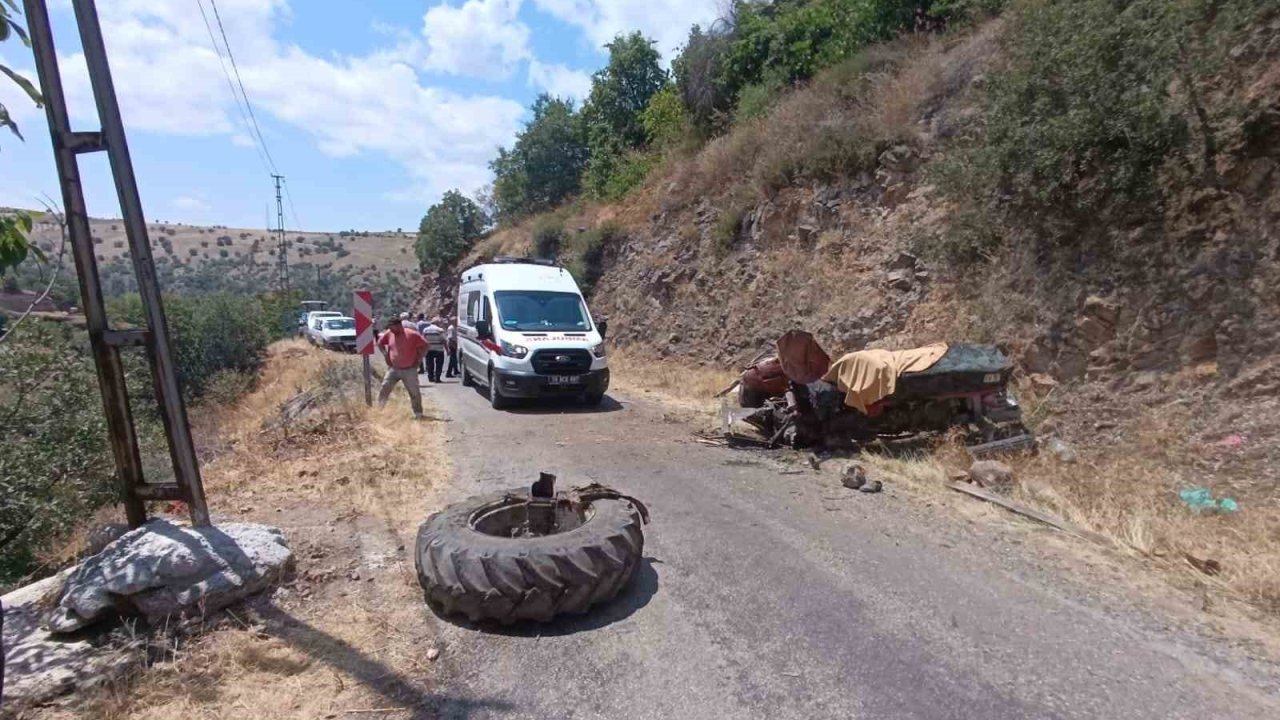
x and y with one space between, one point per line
411 348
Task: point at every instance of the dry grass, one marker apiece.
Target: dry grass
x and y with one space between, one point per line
349 632
385 250
1127 492
837 124
642 373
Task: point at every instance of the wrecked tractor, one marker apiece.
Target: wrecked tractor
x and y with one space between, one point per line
530 554
877 393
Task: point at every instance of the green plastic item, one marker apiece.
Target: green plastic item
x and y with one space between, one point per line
1201 500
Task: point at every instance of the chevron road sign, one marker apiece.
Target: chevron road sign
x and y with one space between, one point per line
362 311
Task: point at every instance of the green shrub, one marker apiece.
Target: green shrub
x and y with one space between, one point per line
548 233
665 121
210 333
727 228
628 173
585 252
55 467
754 101
1096 116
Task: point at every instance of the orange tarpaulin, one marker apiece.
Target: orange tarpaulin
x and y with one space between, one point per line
868 376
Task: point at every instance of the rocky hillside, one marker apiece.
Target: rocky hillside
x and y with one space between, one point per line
1001 184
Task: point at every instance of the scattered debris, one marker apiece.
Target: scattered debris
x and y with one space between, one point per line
1060 450
1017 507
1201 500
814 461
991 474
162 570
1208 566
1042 382
853 477
433 654
803 399
1231 441
872 486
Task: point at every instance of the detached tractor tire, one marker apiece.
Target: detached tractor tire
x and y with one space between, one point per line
469 564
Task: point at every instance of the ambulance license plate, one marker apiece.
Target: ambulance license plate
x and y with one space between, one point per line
562 380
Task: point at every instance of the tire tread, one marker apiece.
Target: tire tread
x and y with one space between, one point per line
463 572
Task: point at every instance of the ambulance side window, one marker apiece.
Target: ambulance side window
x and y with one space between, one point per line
473 308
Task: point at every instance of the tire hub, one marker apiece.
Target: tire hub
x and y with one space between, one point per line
543 511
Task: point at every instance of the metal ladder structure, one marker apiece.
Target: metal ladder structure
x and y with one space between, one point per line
106 342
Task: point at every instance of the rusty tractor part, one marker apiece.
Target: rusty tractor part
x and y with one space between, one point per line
966 388
530 554
763 380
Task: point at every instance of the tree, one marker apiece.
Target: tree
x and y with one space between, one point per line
7 28
544 166
620 92
699 74
448 230
665 121
14 246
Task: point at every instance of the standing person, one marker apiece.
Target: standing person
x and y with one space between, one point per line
451 348
434 335
403 349
421 326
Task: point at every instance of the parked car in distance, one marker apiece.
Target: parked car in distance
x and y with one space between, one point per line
333 333
307 319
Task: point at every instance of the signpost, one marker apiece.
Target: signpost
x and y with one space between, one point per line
362 311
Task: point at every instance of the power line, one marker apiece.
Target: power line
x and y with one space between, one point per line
289 196
231 56
244 117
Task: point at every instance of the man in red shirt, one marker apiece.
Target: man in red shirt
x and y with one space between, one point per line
403 348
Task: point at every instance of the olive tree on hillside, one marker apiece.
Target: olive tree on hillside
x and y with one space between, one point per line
448 230
544 166
620 92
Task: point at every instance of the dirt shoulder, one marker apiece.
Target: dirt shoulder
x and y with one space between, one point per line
348 631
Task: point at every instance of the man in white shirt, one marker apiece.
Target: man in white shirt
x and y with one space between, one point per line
434 360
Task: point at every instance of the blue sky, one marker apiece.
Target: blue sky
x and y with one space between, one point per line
371 109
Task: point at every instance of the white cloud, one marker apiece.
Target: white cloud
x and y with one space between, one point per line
190 204
356 105
559 80
666 21
169 81
480 38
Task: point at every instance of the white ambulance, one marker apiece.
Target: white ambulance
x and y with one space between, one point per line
524 331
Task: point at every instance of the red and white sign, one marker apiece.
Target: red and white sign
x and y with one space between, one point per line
362 303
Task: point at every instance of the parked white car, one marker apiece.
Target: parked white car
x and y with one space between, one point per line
334 333
307 319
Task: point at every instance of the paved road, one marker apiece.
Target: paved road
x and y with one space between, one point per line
779 596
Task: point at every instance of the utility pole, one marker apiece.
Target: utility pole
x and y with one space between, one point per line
282 249
106 342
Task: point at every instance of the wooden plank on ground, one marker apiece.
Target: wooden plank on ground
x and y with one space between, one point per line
1017 507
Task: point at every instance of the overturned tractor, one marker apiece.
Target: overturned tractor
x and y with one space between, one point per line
803 399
